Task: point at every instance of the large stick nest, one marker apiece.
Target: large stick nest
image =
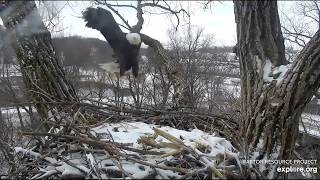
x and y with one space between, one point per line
91 143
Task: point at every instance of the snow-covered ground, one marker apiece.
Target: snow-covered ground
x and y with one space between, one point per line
312 124
10 70
232 86
10 115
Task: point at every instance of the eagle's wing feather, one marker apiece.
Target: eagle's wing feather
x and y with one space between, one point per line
103 21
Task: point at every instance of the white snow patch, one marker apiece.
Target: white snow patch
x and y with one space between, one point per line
113 67
231 85
68 170
133 38
267 71
12 110
33 154
308 116
28 152
282 70
274 104
120 132
311 123
144 58
110 67
132 131
10 70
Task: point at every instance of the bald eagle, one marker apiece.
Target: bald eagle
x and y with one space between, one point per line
125 46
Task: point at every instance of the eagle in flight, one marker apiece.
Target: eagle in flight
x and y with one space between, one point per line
126 46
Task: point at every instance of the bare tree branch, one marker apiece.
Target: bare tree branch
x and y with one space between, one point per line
140 8
115 11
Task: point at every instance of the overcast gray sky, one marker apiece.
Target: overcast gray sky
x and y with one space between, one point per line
217 21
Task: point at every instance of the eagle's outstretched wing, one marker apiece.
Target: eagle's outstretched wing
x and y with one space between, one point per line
103 21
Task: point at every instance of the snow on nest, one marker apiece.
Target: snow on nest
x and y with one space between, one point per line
267 69
271 73
133 38
1 23
131 132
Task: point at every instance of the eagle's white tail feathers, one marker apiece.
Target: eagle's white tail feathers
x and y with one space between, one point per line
113 67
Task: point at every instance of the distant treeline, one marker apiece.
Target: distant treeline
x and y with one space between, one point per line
80 51
217 49
88 52
74 50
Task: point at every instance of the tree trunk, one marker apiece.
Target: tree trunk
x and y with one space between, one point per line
43 76
3 46
272 97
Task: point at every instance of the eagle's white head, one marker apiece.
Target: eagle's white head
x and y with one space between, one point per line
133 38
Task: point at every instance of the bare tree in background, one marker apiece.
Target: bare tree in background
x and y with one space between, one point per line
299 28
50 11
272 99
158 92
194 68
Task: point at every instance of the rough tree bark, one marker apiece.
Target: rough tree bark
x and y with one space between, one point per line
43 76
272 97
